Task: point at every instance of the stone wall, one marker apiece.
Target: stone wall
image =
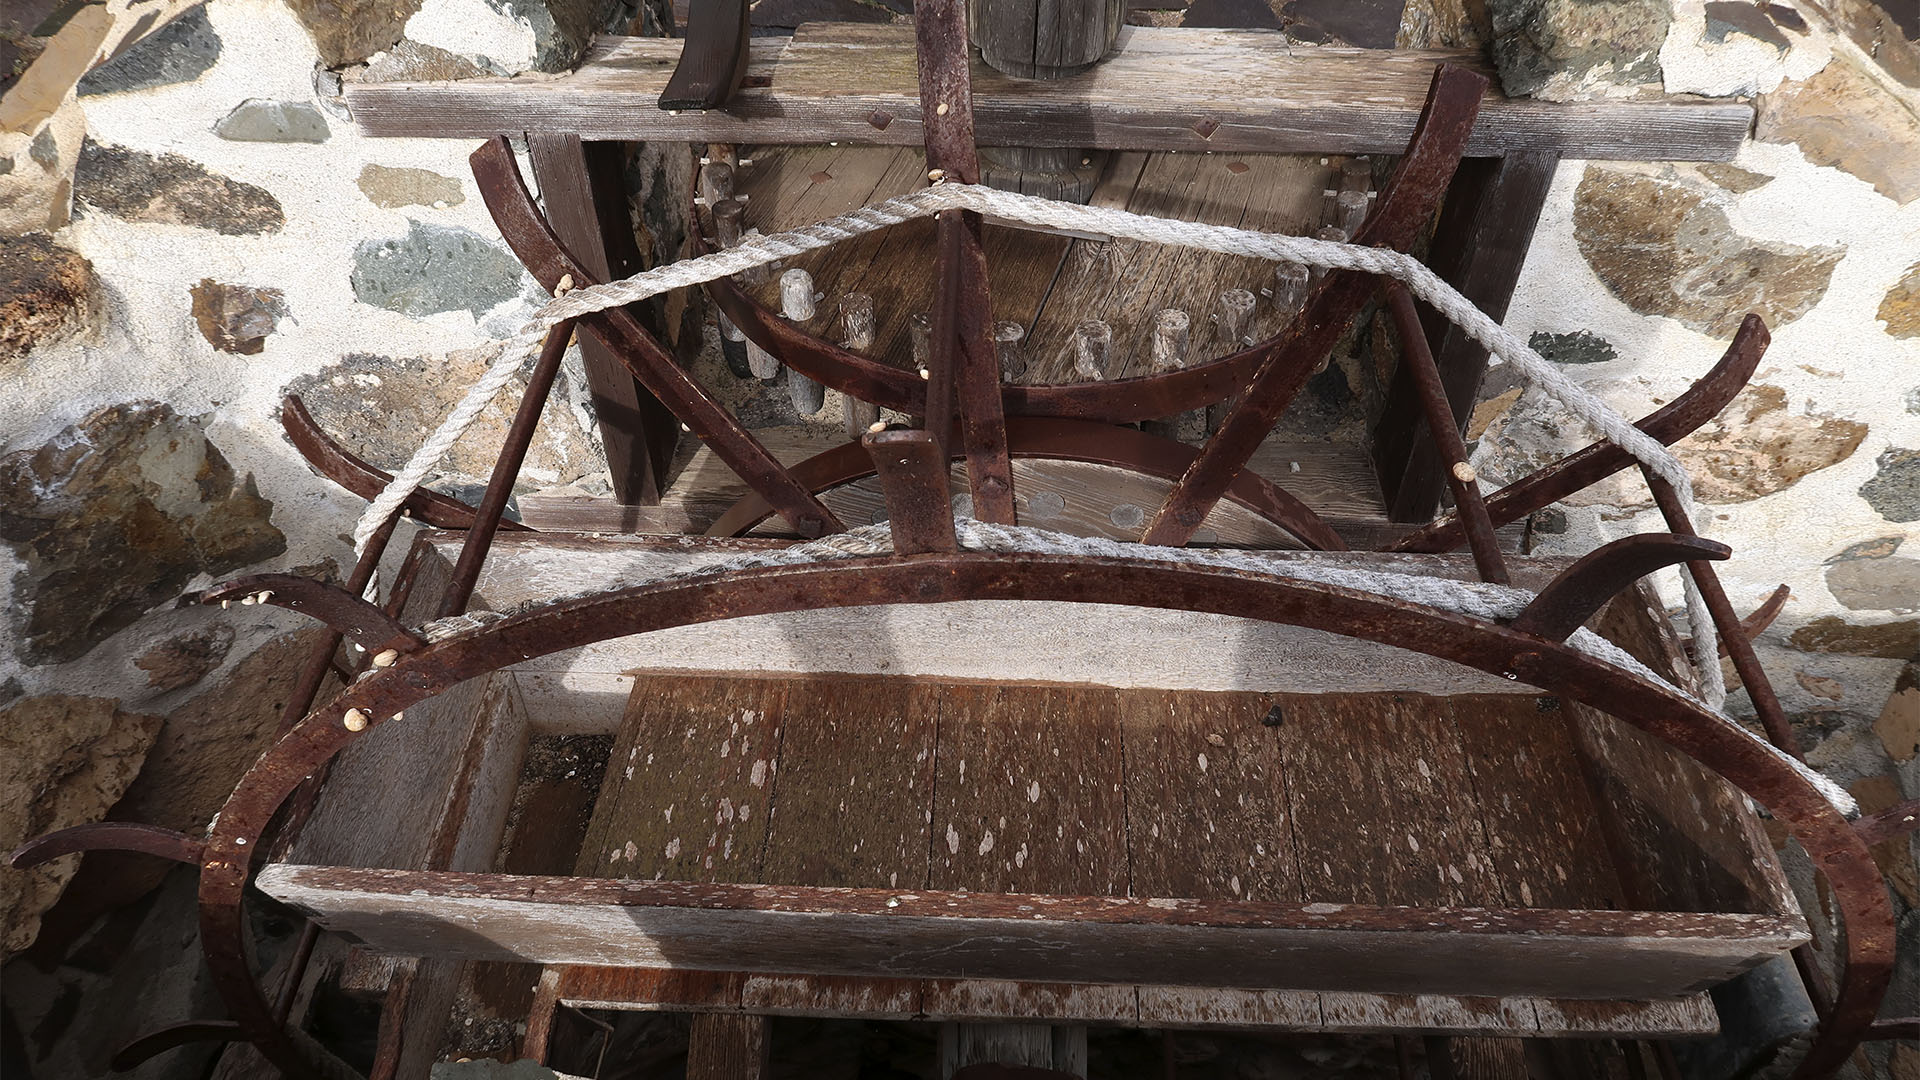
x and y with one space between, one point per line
198 229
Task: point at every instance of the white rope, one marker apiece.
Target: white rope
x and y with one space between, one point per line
759 250
1479 600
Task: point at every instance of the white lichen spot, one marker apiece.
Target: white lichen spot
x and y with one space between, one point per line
986 842
726 747
1424 771
1453 872
1033 791
1020 857
1203 763
757 776
629 772
673 848
953 840
1234 884
1413 842
631 851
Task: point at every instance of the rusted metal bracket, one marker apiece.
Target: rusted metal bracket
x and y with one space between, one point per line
106 836
1585 587
526 232
365 624
913 473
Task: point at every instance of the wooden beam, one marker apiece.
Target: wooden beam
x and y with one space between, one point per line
581 186
1161 89
834 931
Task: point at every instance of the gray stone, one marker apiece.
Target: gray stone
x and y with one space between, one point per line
349 31
1579 347
1666 248
379 405
237 318
1883 584
185 658
435 268
1913 401
1565 50
1900 308
171 190
45 149
390 188
265 120
63 761
410 61
1894 491
47 293
1552 521
178 52
114 516
1725 17
1783 15
6 165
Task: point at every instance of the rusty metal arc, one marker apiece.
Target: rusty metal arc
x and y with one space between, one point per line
1838 851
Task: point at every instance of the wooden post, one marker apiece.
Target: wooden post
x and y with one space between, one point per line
1092 348
1043 39
583 188
1234 311
1171 337
856 333
796 303
1290 284
1007 337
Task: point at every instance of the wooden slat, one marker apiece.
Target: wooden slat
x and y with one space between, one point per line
785 929
1157 91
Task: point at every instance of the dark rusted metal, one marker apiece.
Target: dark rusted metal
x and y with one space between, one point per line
1859 895
713 62
946 88
913 474
1669 424
526 232
1403 210
1733 638
1582 589
106 836
506 469
1903 1027
1762 617
1066 440
343 467
1891 823
365 624
1417 362
173 1036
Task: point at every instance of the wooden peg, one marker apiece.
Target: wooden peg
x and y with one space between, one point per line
1232 315
1332 234
1353 206
796 296
808 397
716 182
1092 349
1291 281
1007 337
729 218
857 328
1171 328
761 363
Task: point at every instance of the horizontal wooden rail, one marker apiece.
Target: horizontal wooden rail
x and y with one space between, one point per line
886 932
1162 89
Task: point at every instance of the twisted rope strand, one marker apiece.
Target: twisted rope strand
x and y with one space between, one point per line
758 250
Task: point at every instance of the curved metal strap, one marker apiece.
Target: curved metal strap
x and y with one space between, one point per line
343 467
161 1040
713 62
1585 587
106 836
365 624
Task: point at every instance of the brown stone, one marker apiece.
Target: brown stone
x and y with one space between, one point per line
1734 178
1756 448
410 61
171 190
1666 248
63 761
237 318
391 189
1820 686
1444 24
349 31
1846 117
46 293
1894 856
115 515
1899 723
1900 308
185 659
1832 634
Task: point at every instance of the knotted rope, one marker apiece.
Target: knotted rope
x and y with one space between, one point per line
758 250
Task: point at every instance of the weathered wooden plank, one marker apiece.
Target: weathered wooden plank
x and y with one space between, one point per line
1027 792
1161 89
728 1046
689 782
894 933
